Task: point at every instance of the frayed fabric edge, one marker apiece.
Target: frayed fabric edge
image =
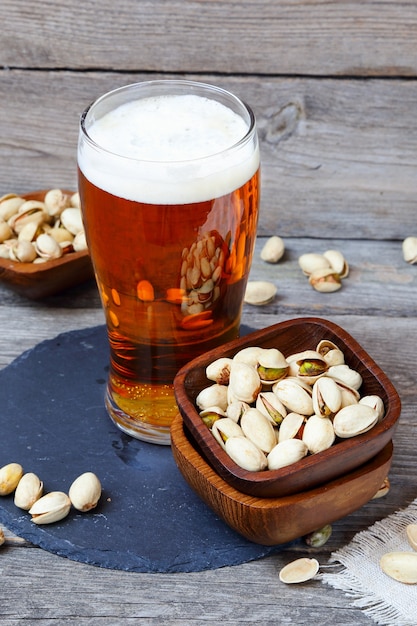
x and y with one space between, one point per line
381 612
367 541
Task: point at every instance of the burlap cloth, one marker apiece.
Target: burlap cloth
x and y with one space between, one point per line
386 601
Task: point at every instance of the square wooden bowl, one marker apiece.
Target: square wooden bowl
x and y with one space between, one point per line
313 470
275 521
37 281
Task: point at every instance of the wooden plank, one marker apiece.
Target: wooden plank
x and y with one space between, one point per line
332 151
284 37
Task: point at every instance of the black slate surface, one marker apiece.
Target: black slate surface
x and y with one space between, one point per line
148 519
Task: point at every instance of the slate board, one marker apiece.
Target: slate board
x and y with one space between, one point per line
54 423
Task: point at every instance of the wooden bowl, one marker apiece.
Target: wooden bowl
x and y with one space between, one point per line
274 521
317 469
38 280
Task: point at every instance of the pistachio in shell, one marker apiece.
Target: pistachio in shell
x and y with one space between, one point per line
29 489
52 507
85 492
10 476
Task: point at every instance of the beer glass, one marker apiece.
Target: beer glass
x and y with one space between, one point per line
169 187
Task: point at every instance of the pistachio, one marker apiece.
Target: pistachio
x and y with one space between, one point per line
23 251
401 566
318 434
294 396
52 507
383 489
47 247
411 531
311 262
225 428
376 403
409 247
2 537
260 292
286 452
215 395
5 231
245 454
56 201
273 250
219 371
271 406
317 538
72 220
10 476
299 571
353 420
244 382
291 427
258 429
212 414
79 242
28 490
337 262
85 492
325 280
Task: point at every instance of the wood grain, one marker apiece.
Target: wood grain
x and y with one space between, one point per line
285 37
332 151
333 86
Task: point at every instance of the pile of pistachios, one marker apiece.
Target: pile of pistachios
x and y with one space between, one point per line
83 495
35 231
268 410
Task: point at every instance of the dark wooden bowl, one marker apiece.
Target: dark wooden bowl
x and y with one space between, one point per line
318 469
274 521
37 281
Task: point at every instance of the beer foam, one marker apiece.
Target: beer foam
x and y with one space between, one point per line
170 149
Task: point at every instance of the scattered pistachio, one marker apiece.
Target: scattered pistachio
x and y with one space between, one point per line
325 280
401 566
10 475
325 271
28 490
259 292
383 490
273 250
409 247
52 507
85 492
2 537
318 538
299 571
411 531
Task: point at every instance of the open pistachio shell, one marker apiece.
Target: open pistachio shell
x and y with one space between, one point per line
411 531
401 566
260 292
299 571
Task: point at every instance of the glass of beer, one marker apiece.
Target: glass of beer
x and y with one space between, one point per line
169 186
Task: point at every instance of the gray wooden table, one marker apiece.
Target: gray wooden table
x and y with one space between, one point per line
334 89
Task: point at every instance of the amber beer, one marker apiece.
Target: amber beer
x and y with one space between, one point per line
169 185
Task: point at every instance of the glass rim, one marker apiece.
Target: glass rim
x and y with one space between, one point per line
196 85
